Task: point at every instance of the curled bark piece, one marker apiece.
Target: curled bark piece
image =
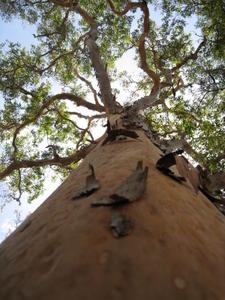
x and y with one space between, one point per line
115 134
120 225
131 189
167 161
92 184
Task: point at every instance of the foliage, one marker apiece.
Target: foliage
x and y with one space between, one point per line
182 76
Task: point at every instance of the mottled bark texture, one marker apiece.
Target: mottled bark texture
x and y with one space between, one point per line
66 250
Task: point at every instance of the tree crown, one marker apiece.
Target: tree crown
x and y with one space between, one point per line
179 88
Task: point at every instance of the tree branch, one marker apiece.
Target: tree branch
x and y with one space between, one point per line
63 96
58 161
53 62
142 52
97 63
83 134
192 56
7 127
78 101
145 102
73 5
66 119
129 6
143 6
98 116
90 86
101 74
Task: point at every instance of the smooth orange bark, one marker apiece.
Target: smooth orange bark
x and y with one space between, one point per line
176 249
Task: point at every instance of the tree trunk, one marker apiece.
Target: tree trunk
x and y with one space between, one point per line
66 250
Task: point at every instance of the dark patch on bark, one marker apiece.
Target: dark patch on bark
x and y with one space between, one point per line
118 134
131 189
92 184
120 225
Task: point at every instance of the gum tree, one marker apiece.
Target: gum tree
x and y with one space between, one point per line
153 205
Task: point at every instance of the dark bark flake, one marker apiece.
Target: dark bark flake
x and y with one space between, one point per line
92 184
130 190
120 225
167 161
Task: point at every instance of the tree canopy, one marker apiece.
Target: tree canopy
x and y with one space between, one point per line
179 89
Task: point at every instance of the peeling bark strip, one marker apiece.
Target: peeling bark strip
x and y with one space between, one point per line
120 225
210 185
167 161
92 184
131 189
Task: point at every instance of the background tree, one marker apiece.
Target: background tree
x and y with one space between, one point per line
175 242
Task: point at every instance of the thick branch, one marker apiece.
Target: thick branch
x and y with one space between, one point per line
73 5
97 63
143 6
58 161
101 74
146 101
129 6
78 101
98 116
142 52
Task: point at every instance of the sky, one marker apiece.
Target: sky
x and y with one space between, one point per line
18 31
